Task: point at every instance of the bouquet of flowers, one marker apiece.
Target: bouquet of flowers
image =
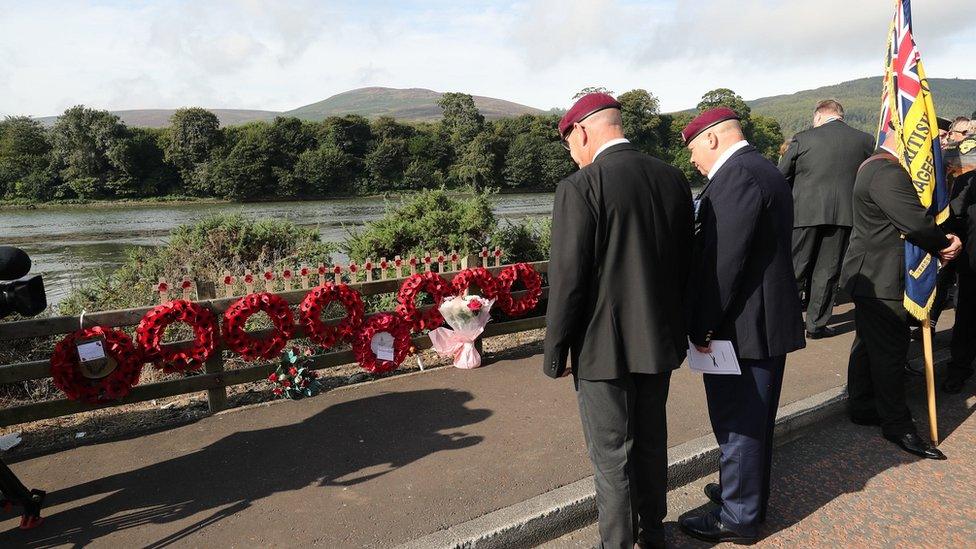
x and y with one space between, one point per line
468 315
294 379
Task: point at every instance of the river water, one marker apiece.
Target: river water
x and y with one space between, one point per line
68 242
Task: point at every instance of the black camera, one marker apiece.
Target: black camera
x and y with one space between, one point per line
19 293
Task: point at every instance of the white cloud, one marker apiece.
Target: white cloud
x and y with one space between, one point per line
280 55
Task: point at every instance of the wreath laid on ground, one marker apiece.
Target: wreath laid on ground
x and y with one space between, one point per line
481 277
363 344
67 374
152 327
310 313
248 346
434 285
533 286
294 378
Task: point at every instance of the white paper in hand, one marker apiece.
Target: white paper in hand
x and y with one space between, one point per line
721 360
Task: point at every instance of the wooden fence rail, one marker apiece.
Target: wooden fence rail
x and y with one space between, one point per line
215 378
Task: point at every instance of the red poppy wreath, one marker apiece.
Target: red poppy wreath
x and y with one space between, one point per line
434 285
248 346
152 327
363 344
481 277
533 285
67 375
310 313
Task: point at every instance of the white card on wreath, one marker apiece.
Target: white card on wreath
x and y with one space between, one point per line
382 346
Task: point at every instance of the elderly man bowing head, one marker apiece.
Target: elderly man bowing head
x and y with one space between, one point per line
621 243
741 290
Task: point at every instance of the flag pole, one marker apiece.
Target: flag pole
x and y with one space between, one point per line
930 379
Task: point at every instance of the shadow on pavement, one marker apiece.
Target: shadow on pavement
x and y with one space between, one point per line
343 445
840 458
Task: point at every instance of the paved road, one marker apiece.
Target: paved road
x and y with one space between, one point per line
369 465
845 486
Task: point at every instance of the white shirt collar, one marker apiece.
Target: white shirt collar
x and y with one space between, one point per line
725 157
831 119
893 153
609 144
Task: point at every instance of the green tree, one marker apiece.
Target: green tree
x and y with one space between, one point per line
639 111
724 97
287 138
245 173
555 165
83 142
591 89
141 170
191 138
766 136
479 165
462 120
386 164
24 160
352 134
325 171
523 166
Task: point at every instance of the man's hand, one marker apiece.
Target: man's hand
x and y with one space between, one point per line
952 251
568 370
706 350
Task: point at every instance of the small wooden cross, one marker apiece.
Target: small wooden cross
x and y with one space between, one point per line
304 272
383 265
163 289
228 284
249 281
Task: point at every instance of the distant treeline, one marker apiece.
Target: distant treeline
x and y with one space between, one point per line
91 155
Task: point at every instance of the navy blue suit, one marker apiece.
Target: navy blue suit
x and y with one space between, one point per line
742 289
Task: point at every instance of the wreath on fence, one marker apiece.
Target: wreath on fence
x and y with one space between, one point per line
363 344
248 346
481 277
533 285
67 375
310 313
434 285
152 327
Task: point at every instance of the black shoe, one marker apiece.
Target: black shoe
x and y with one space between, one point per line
714 492
954 384
913 444
709 528
822 333
866 420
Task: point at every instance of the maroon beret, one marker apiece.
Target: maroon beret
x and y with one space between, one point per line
706 120
587 105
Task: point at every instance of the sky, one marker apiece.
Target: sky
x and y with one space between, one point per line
282 54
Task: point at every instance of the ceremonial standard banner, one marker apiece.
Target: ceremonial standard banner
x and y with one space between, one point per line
906 102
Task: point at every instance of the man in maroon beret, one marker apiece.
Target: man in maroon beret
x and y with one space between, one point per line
742 290
621 246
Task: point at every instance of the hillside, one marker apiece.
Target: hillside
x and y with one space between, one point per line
159 118
861 98
406 104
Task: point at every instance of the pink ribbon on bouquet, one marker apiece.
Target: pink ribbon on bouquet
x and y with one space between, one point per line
459 344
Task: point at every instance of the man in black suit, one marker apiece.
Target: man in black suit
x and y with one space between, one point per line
743 290
820 165
886 213
963 223
621 243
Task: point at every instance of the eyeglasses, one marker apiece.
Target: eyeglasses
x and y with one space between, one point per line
565 139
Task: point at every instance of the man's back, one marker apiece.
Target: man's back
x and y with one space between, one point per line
821 164
627 289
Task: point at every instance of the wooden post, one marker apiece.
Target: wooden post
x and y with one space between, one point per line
304 274
368 269
440 262
322 272
427 261
187 287
498 256
413 265
398 261
930 379
353 269
216 397
383 265
268 280
455 261
337 274
484 257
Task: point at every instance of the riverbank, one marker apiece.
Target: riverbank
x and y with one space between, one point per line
19 205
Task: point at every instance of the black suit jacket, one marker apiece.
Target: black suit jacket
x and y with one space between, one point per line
886 209
820 164
621 243
742 286
963 223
